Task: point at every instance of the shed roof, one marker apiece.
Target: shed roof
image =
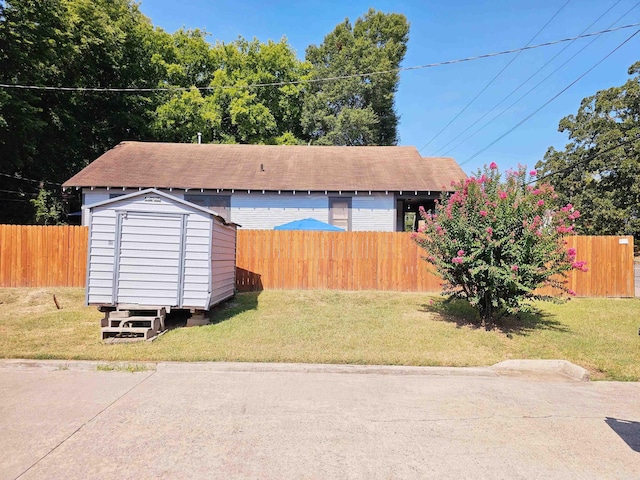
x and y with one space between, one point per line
267 167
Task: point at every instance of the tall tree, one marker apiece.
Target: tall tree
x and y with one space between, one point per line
232 111
357 110
49 135
599 170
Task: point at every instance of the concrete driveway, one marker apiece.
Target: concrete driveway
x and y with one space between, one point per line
222 421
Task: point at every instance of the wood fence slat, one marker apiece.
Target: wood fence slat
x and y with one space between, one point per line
4 255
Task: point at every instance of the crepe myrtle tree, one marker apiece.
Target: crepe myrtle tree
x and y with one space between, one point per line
495 242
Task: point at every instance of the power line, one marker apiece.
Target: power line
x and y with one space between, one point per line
525 82
550 100
580 162
493 79
29 179
19 193
314 80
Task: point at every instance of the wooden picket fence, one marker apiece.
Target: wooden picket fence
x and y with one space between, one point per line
33 256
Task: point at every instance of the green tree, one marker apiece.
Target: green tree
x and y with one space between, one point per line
49 210
495 242
358 110
605 186
50 135
230 110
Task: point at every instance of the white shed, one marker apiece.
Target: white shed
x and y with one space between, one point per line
149 250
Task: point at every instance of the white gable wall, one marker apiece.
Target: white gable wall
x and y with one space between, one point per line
255 210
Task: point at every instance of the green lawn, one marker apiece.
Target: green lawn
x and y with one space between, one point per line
335 327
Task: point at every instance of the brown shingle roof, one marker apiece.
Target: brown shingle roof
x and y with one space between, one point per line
179 165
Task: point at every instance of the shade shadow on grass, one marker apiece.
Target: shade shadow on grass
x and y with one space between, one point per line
234 306
463 314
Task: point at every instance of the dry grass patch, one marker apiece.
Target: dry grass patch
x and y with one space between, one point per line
335 327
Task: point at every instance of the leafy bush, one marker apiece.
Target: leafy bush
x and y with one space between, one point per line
495 242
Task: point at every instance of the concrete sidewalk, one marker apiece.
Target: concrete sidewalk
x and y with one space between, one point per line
69 420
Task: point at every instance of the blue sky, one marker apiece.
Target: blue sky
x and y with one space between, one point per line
428 99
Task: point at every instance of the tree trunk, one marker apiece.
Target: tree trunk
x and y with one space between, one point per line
486 313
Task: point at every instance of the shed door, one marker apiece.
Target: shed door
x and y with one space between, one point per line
150 261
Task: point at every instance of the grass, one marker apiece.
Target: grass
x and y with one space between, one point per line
335 327
126 367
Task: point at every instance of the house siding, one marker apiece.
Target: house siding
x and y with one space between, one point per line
265 211
257 210
373 212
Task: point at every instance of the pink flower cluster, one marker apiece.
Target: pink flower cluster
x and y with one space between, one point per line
573 214
564 229
459 258
581 265
514 268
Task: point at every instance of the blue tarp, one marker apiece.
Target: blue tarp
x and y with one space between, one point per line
308 224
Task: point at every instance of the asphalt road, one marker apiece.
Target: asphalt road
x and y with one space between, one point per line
226 421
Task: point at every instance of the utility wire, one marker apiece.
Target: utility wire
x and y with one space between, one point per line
314 80
19 193
493 79
528 91
550 100
585 160
30 179
523 83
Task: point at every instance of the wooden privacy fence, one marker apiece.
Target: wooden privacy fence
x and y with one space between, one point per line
36 256
33 256
270 259
273 259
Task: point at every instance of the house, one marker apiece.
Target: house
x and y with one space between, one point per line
262 186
